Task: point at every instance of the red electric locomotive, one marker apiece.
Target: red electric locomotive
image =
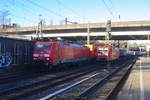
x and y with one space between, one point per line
56 52
106 53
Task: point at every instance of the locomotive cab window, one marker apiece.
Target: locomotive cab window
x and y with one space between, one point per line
103 49
42 46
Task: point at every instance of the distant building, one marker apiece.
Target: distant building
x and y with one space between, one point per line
8 26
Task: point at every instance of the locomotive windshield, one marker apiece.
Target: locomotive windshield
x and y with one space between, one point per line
42 47
103 49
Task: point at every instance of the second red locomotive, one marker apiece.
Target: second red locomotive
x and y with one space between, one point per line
58 52
106 53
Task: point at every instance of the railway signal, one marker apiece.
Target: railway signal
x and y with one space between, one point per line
108 30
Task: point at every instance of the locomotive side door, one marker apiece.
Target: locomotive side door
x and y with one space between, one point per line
55 53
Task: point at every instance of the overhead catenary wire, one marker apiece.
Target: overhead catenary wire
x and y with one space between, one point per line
28 9
24 18
112 13
115 10
113 6
68 8
108 9
45 9
17 16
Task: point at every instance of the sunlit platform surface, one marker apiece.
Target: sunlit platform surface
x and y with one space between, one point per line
137 87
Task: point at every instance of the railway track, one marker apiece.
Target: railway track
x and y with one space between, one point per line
85 87
112 86
25 88
12 75
38 87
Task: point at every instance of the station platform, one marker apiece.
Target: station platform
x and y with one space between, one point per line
137 86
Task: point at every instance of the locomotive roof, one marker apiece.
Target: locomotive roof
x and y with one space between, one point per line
63 43
70 44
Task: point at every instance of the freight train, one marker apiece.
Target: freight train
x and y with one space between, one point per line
15 51
53 53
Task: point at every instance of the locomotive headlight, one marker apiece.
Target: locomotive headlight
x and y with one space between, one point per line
46 55
106 54
35 55
47 58
34 58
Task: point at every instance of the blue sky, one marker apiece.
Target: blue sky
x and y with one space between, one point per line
26 12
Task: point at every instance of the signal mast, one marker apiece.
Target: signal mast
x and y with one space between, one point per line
107 38
39 30
108 32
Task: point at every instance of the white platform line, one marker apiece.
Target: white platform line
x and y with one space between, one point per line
66 88
142 97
